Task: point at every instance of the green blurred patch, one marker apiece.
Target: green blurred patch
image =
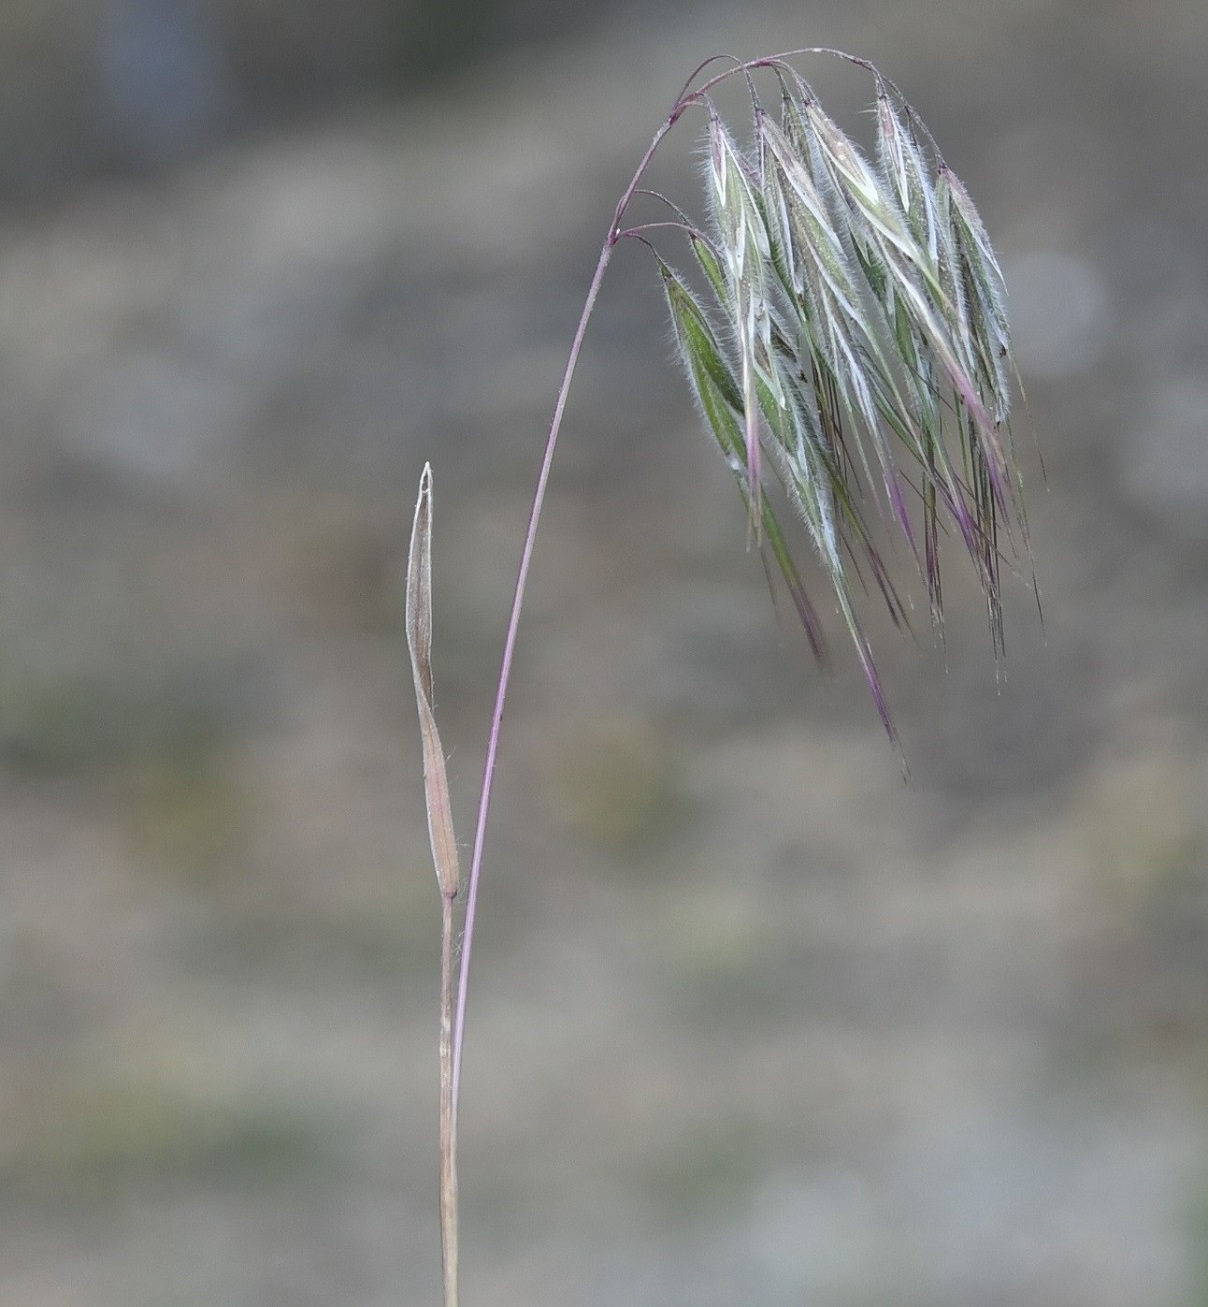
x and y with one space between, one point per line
187 811
162 740
724 964
91 1138
616 783
60 722
710 1173
311 949
1145 834
716 933
59 725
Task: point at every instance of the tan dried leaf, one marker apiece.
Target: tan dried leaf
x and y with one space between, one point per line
419 642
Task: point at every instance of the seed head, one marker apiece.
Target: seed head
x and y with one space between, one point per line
856 343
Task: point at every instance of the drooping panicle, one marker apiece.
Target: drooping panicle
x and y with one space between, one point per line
857 340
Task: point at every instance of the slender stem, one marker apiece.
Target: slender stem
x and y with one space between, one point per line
687 98
509 644
448 1111
505 671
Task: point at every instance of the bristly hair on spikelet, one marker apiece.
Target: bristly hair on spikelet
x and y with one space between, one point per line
852 340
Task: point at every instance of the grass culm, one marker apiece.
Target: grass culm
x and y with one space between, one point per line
843 334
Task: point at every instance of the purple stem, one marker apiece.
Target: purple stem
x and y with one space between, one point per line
509 644
505 670
687 97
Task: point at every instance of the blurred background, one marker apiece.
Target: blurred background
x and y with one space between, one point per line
753 1022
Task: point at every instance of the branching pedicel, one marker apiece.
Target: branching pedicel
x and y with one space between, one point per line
852 344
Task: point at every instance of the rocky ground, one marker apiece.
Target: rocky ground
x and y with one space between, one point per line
753 1022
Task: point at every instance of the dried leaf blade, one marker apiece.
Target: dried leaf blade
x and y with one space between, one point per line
419 642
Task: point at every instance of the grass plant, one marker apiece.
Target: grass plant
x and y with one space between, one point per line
844 337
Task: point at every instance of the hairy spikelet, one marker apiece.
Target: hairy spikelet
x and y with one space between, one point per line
855 344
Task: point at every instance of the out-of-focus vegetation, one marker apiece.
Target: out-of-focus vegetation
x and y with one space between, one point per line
128 84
